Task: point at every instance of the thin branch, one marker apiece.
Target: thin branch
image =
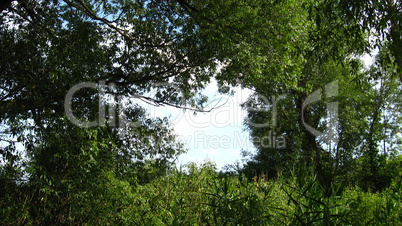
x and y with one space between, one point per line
7 140
155 102
91 14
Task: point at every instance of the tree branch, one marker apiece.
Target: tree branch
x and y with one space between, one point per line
91 14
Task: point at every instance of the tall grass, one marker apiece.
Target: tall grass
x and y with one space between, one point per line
197 195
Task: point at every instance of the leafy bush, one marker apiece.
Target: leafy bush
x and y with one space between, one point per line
195 194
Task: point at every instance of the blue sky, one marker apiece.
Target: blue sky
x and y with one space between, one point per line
217 135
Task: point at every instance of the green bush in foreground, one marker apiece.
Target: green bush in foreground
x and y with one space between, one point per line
197 195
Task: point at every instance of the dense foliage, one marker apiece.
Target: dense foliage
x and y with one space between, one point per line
77 146
196 194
